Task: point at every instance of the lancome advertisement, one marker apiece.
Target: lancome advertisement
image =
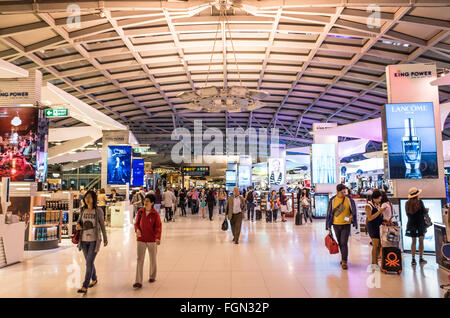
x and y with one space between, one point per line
18 138
119 164
323 162
411 141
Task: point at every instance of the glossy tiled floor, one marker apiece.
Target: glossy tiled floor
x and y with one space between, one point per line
197 259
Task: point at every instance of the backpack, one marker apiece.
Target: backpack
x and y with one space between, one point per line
250 197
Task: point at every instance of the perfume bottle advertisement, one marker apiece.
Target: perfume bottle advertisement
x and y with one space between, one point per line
18 142
323 160
119 164
411 140
245 176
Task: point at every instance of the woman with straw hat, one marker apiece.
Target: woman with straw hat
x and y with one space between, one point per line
415 228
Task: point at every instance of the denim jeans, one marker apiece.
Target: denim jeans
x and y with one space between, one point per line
250 211
183 208
89 254
194 209
222 206
275 214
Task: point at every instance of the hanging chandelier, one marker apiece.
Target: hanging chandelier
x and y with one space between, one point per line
230 99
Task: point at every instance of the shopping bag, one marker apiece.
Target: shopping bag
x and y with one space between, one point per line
331 244
76 237
225 225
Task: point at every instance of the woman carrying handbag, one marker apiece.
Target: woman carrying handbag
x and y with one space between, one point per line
91 227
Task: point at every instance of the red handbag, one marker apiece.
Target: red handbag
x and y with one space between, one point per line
331 244
76 237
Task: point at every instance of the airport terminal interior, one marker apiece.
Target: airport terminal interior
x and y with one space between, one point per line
224 149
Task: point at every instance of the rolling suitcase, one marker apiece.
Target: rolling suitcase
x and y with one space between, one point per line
298 219
268 216
258 215
391 260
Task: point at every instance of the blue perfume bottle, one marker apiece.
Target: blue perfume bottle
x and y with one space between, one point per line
412 150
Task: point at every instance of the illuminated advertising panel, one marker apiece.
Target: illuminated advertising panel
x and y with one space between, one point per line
138 173
323 162
119 165
411 141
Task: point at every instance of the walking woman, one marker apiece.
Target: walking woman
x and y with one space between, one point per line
91 225
182 196
374 213
305 205
274 204
283 204
211 201
158 200
203 202
102 201
415 228
148 232
222 197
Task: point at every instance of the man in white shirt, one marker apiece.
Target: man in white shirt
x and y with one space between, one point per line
235 207
168 200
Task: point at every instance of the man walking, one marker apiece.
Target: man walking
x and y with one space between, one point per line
250 199
341 214
235 207
168 200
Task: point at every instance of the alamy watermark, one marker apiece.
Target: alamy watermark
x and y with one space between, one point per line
236 141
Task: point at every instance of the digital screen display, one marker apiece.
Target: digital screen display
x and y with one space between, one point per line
320 205
138 173
245 176
435 212
323 161
196 171
277 171
411 141
230 178
119 165
42 148
18 143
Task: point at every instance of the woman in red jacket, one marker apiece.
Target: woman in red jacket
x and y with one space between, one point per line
148 232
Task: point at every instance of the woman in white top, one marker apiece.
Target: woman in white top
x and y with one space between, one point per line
387 206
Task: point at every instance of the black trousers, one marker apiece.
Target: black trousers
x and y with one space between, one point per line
210 210
342 234
169 214
183 208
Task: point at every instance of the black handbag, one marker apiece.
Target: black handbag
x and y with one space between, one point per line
225 224
427 219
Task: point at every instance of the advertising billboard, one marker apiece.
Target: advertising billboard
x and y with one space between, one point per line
138 173
196 171
323 162
230 178
42 148
411 141
320 205
119 165
434 207
277 171
18 142
245 176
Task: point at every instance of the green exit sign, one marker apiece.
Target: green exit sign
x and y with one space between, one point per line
141 150
58 112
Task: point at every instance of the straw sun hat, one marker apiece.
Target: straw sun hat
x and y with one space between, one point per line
414 192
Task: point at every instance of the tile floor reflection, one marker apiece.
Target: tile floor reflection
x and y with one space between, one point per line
197 259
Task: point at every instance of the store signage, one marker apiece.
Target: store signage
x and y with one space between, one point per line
411 141
418 74
58 112
196 171
21 91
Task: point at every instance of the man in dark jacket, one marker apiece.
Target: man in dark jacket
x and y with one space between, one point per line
340 215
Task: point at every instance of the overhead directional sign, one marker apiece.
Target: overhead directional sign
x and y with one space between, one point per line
57 112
